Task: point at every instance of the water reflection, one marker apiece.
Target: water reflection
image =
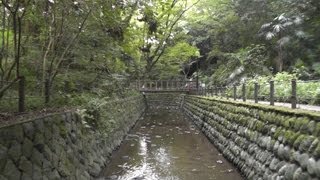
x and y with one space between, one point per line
165 146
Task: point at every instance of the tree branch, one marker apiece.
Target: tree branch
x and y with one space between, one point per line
69 46
160 49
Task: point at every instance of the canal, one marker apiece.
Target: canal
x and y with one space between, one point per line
166 146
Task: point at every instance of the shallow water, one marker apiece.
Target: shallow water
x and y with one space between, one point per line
166 146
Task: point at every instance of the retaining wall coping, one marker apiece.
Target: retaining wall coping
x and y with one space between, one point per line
283 110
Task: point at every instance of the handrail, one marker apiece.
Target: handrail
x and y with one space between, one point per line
151 85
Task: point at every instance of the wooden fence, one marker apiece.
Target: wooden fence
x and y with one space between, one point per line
240 92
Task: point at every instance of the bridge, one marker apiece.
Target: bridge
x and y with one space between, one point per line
165 86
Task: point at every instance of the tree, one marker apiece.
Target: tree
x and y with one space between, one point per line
171 64
282 29
159 20
13 12
63 23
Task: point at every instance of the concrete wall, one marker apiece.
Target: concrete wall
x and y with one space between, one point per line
263 142
64 146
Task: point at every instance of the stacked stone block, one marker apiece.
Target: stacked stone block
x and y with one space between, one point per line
62 146
164 100
263 142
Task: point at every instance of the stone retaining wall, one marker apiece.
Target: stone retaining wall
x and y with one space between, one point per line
164 100
64 146
263 142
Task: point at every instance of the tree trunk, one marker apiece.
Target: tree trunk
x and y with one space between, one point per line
279 61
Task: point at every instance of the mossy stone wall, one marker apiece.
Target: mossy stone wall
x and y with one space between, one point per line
63 146
263 142
167 100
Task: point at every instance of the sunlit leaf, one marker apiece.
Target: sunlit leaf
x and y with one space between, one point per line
277 28
269 35
264 26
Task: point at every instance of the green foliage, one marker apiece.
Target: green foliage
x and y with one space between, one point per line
124 40
316 68
107 115
174 59
225 28
246 63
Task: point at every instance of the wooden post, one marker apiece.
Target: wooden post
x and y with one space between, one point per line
256 91
272 93
235 92
244 98
171 84
161 85
167 84
22 94
150 85
294 94
156 84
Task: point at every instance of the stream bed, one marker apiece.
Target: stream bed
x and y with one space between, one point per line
165 145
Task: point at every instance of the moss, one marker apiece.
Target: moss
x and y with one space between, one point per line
304 126
311 127
289 123
290 137
259 126
281 135
265 129
313 145
301 124
306 143
316 152
316 131
277 133
269 116
261 115
298 141
62 128
276 109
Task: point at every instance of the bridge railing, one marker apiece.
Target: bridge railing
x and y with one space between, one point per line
164 85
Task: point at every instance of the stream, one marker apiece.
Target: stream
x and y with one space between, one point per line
165 145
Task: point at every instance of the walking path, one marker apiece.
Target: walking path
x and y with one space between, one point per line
288 105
